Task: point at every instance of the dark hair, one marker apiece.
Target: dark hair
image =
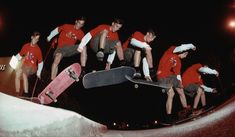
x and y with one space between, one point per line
36 33
81 18
118 21
153 32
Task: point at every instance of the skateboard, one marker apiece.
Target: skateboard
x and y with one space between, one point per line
191 117
67 77
107 77
145 82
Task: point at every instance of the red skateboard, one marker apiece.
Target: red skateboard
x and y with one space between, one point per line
66 78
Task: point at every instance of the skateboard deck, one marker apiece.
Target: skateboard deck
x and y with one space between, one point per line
107 77
66 78
145 82
190 117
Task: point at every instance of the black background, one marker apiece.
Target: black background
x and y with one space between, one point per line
203 23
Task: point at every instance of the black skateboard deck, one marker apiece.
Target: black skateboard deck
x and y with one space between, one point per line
190 117
107 77
195 117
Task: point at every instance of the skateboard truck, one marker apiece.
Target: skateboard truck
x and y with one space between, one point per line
72 74
50 95
137 86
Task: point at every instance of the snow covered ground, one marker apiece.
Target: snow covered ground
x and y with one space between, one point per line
24 118
20 118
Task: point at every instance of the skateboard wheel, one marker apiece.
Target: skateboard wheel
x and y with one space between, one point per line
136 86
77 79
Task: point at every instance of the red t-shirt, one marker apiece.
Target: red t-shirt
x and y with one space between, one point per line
69 35
169 51
137 35
170 64
32 55
111 35
192 75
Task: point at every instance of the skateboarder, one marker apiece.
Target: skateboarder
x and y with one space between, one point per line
193 84
105 40
69 35
32 62
169 72
136 45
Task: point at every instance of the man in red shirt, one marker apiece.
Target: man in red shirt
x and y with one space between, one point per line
193 84
31 62
139 43
69 35
169 72
105 40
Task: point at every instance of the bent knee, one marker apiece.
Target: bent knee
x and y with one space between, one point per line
171 93
118 44
200 91
57 58
148 50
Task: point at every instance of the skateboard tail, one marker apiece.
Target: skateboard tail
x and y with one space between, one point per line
50 95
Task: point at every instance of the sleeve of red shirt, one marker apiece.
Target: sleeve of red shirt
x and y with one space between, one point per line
98 29
170 50
139 36
61 28
80 35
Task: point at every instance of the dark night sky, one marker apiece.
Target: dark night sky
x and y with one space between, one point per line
198 22
201 22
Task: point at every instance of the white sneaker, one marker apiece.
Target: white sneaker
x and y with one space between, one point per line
100 56
137 75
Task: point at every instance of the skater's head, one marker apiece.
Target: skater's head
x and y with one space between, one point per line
80 22
116 25
35 37
150 35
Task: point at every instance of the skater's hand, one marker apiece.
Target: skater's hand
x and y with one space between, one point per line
148 78
108 66
39 76
148 48
217 74
80 49
214 91
48 39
